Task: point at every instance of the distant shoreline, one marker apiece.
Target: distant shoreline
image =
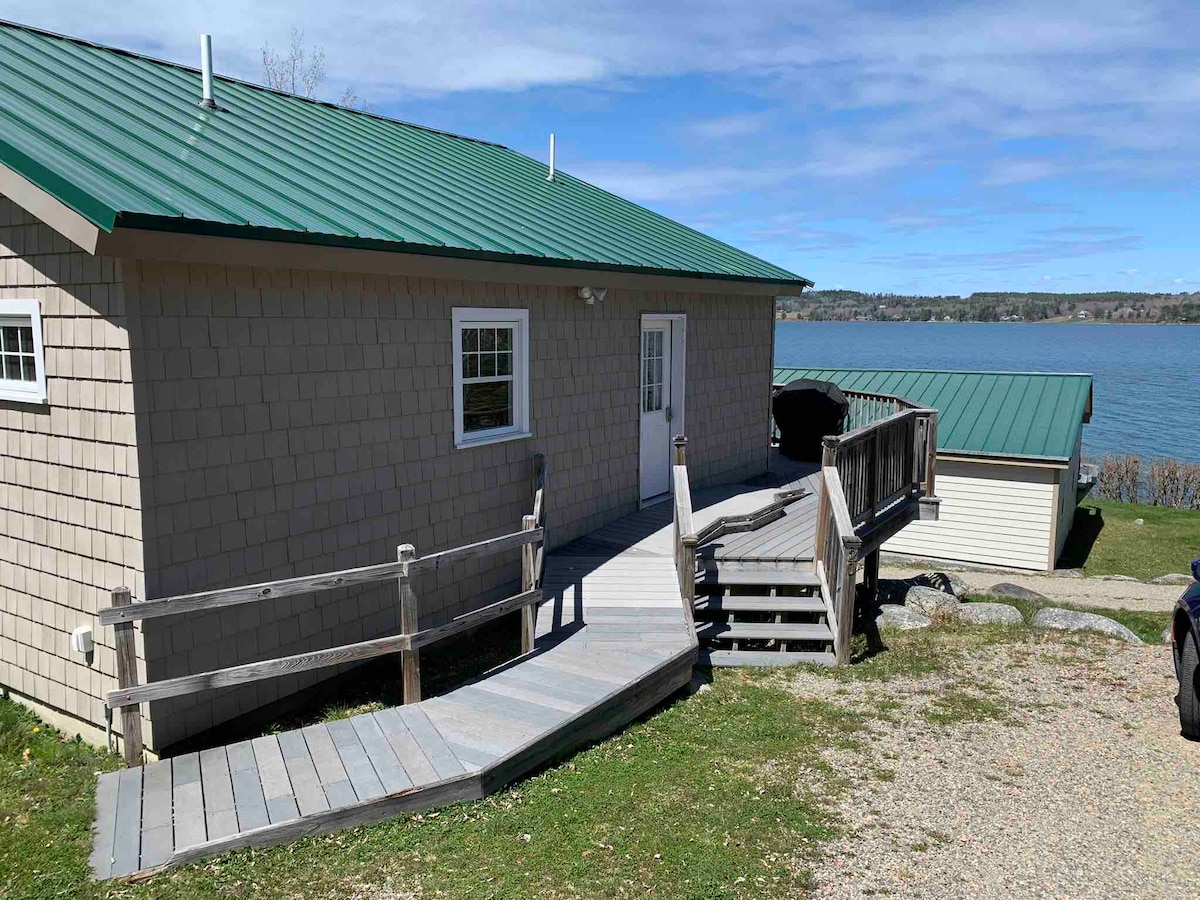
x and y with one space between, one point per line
1057 321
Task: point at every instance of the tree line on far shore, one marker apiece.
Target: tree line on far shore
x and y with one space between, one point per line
1115 306
1159 482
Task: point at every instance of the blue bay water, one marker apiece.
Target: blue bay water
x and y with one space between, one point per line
1146 387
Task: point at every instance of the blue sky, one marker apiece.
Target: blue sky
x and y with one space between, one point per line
909 147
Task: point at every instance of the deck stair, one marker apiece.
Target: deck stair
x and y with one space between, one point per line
761 614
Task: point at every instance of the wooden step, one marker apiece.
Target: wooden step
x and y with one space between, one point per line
763 658
762 631
765 576
717 603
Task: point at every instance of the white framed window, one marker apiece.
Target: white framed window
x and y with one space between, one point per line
22 357
491 375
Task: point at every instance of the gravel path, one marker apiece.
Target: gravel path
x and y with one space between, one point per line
1075 796
1092 592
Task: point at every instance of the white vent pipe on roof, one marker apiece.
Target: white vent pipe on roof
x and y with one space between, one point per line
550 177
206 72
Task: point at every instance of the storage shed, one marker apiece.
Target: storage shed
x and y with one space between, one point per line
1008 459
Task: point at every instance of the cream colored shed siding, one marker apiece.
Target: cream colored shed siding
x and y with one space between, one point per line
293 422
70 521
1068 493
990 514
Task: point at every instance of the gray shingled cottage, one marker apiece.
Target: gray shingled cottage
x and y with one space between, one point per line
276 337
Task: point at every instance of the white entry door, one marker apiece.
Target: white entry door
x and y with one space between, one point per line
656 405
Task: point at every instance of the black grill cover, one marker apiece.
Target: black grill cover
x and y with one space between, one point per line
805 411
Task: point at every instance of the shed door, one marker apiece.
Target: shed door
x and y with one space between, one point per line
656 407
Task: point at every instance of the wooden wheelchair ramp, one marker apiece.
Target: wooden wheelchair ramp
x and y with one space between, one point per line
612 641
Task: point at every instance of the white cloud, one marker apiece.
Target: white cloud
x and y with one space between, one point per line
725 127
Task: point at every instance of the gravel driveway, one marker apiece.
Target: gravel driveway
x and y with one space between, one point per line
1066 788
1092 592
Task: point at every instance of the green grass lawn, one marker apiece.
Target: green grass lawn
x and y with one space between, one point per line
723 794
1104 540
709 797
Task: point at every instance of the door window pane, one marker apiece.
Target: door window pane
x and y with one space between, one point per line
652 370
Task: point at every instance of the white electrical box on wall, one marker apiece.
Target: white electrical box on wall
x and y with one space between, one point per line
81 639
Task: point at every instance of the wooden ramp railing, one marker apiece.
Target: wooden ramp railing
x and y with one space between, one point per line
530 540
685 540
872 477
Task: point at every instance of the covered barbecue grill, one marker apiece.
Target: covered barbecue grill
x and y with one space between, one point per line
805 411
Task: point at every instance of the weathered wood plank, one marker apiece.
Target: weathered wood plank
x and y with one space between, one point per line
410 624
126 653
465 788
334 780
560 700
431 742
598 721
363 779
387 766
302 772
475 617
436 561
472 758
220 812
127 833
249 801
404 745
577 687
188 795
308 584
509 708
257 671
457 725
157 829
276 784
105 824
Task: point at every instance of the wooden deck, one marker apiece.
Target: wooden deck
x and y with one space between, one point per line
613 641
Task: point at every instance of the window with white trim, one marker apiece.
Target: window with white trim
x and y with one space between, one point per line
491 375
22 358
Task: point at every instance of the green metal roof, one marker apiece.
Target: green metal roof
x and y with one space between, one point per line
121 139
1019 414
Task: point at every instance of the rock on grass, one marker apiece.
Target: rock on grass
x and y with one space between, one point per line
900 617
1015 592
1173 578
929 601
990 614
1069 620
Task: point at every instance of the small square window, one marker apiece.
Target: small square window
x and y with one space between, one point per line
22 359
491 384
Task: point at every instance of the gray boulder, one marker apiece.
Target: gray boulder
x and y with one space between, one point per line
900 617
1069 620
990 614
1067 573
953 584
1015 592
1113 578
1167 635
929 601
1173 578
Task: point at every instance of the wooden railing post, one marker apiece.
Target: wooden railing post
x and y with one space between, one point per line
528 580
931 453
680 450
126 647
410 660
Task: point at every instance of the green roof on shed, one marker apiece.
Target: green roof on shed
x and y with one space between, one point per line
1019 414
121 139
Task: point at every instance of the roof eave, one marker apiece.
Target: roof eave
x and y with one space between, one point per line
176 225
